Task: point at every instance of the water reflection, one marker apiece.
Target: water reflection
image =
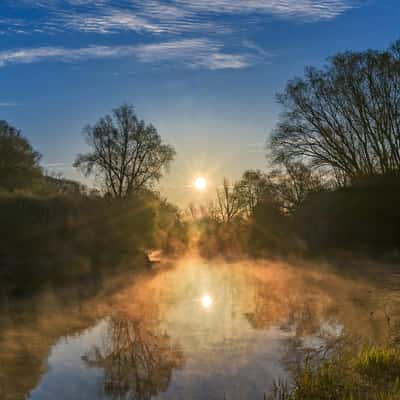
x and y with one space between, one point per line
137 361
194 331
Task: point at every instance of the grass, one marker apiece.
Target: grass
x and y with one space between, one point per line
372 374
379 364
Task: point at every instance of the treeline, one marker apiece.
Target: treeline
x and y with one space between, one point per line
333 183
53 229
334 167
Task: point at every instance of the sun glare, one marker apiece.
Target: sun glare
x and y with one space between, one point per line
206 301
200 184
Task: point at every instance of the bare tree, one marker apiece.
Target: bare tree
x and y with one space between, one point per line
229 204
138 360
126 154
292 183
345 116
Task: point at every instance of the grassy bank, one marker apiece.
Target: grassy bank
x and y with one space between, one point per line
350 373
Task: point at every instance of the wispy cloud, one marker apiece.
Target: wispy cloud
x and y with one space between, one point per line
152 16
176 16
31 55
314 9
192 53
9 104
111 21
214 24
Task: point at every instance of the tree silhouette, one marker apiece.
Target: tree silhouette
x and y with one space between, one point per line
251 189
345 116
293 183
127 155
137 360
19 162
229 204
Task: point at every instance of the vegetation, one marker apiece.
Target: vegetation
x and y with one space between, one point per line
334 184
54 238
254 216
19 162
138 361
372 373
127 155
54 229
363 217
334 180
344 117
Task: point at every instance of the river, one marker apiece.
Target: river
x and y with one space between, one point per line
193 329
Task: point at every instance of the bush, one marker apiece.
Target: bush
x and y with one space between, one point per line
363 217
59 237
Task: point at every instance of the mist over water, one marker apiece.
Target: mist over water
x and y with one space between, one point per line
194 329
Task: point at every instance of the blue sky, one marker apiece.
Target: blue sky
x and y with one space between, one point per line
205 72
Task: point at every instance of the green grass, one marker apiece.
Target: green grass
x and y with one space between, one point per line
379 364
372 374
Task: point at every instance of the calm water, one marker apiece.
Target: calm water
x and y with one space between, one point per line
191 331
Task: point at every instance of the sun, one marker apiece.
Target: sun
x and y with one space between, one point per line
206 301
200 184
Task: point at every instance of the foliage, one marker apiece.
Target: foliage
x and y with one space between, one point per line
252 188
57 184
363 217
61 237
171 233
19 162
269 230
54 229
126 154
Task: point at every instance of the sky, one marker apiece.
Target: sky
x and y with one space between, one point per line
204 72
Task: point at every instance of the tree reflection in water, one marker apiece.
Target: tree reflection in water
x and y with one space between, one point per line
137 360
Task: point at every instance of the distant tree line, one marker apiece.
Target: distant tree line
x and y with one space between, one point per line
334 176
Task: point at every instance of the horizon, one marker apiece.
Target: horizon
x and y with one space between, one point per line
204 73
